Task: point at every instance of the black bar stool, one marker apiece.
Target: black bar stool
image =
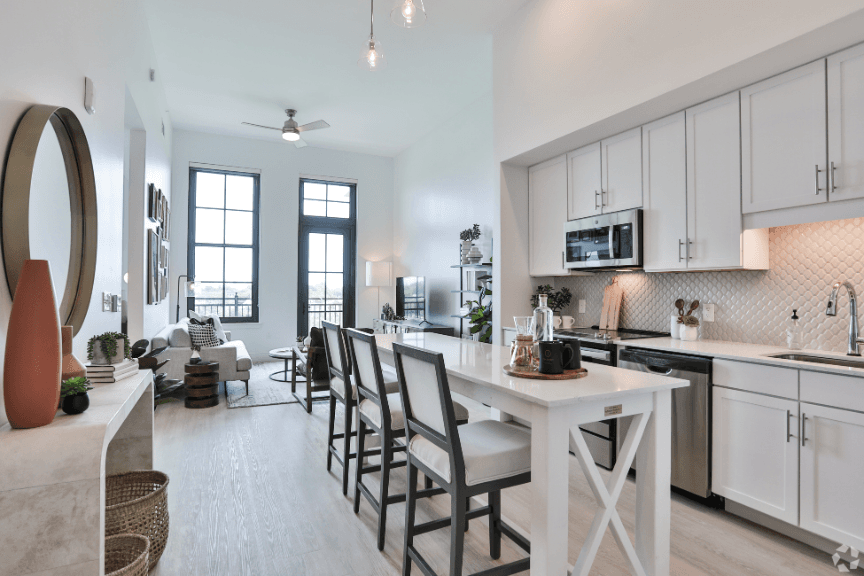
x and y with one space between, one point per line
478 458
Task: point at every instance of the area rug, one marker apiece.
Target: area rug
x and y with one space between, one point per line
262 390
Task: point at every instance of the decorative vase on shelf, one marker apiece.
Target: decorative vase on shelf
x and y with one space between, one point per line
466 248
75 404
101 359
474 255
31 374
71 366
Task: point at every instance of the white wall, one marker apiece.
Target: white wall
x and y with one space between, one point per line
49 47
281 165
445 182
561 66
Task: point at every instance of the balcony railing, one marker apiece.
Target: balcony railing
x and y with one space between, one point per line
235 307
321 310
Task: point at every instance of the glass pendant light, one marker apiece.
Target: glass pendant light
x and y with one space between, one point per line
371 57
408 13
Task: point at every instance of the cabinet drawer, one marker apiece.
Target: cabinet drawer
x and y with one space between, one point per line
846 392
782 382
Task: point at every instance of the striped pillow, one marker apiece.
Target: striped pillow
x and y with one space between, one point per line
203 335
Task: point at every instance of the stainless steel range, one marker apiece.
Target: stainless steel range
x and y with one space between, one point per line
598 347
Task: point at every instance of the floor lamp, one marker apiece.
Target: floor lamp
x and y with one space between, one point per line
188 292
378 274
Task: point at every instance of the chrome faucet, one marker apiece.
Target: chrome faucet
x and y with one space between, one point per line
831 310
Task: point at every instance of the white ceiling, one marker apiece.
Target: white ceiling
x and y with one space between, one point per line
224 62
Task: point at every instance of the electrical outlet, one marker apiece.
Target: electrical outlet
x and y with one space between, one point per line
708 313
106 302
581 306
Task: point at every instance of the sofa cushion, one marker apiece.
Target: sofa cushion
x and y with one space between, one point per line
244 361
203 335
179 337
217 323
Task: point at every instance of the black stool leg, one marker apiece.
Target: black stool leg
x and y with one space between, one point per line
386 456
410 513
330 427
346 454
427 482
494 528
457 533
358 478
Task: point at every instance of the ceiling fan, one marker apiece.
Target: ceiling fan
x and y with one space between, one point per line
291 130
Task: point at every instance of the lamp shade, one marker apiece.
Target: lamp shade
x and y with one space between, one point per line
190 289
378 273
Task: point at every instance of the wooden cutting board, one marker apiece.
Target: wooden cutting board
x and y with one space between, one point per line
612 296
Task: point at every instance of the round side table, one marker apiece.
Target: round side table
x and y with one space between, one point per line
202 385
285 354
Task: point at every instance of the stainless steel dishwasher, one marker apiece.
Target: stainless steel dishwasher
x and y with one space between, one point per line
691 414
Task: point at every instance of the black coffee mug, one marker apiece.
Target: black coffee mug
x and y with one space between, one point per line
575 361
553 356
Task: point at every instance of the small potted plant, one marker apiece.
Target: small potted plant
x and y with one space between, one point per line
108 348
557 300
689 328
73 393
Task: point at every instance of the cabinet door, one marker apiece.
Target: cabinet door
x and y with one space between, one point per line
714 220
846 123
583 182
832 468
783 138
547 209
664 186
622 171
755 452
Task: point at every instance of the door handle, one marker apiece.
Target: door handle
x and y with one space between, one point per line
789 434
680 244
817 180
833 175
803 429
596 195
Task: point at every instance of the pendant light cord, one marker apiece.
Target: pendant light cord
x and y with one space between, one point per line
372 19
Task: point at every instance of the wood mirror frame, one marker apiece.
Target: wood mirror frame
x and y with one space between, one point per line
75 300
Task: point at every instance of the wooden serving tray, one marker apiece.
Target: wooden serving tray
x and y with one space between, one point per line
532 372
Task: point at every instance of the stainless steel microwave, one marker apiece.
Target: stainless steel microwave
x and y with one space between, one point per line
604 241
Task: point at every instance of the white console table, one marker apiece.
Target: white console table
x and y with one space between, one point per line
52 480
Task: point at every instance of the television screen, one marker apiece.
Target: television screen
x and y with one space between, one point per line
411 297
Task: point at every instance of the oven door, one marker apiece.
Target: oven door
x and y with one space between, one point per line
604 241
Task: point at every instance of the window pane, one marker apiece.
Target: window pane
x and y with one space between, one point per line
210 190
209 226
238 300
338 210
334 287
314 208
338 193
208 298
238 264
314 191
316 253
208 264
334 252
239 191
316 288
238 227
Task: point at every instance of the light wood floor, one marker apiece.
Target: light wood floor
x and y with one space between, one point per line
249 495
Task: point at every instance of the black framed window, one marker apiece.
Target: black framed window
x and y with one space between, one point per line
223 243
328 252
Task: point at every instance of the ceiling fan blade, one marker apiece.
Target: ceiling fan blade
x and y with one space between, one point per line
317 125
300 144
259 126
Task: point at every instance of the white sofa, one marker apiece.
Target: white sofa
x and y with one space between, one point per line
232 356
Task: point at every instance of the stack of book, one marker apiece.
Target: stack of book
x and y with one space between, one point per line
111 373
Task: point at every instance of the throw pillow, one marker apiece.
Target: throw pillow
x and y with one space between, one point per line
203 335
220 333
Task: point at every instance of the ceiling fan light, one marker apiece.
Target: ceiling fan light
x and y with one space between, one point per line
408 13
291 135
371 57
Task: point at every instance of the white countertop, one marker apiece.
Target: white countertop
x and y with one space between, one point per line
754 353
483 364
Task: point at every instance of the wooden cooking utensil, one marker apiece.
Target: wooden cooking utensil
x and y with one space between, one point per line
679 304
693 306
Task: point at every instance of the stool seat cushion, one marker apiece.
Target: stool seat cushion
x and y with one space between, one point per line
492 450
391 383
397 419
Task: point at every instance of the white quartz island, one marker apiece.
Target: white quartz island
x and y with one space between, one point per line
554 407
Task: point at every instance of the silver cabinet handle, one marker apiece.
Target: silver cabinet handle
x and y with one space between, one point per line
563 264
803 429
817 180
789 434
602 196
596 195
833 175
689 244
680 244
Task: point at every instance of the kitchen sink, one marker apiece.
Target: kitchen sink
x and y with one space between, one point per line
847 362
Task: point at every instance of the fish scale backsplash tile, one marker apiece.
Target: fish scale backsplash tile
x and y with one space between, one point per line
750 306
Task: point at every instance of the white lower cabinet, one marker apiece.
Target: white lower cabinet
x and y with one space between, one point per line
755 452
832 474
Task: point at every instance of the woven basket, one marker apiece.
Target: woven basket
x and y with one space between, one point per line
127 555
137 503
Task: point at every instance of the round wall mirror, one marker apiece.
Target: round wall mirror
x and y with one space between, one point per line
49 207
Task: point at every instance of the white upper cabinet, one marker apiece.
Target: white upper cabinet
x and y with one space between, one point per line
547 208
846 124
664 188
755 452
621 158
832 466
783 139
583 182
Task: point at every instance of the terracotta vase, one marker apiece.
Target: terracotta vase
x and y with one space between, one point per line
31 373
72 367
